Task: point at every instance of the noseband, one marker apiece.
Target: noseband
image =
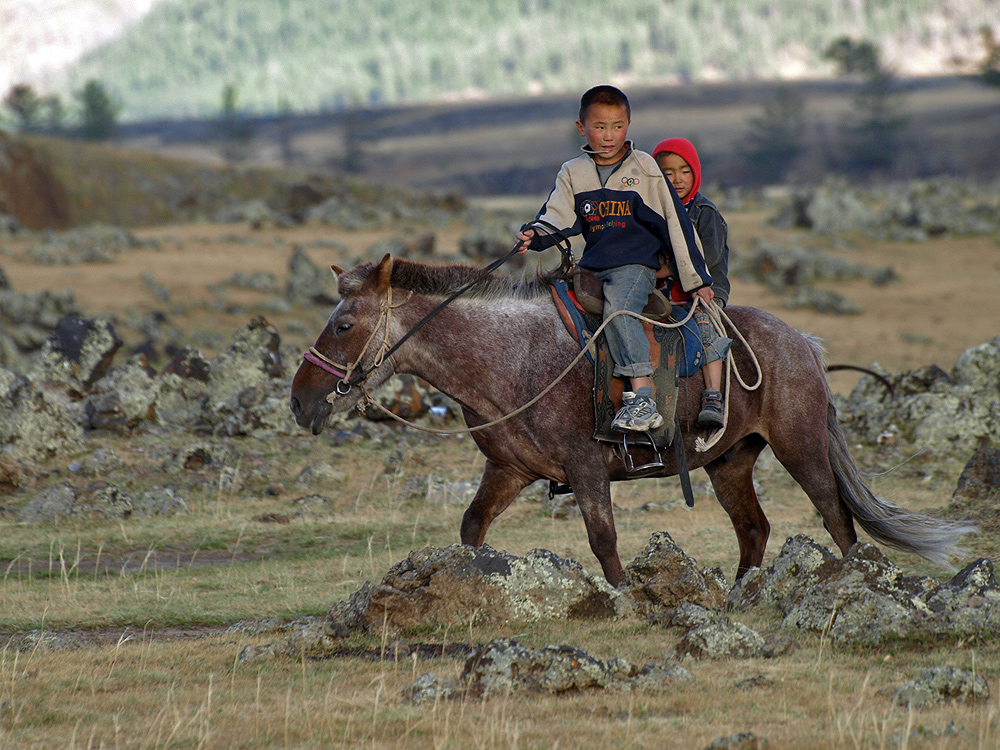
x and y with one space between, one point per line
345 372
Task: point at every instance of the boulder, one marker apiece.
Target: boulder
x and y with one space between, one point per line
307 284
980 479
457 584
941 684
720 639
662 576
35 424
77 353
863 599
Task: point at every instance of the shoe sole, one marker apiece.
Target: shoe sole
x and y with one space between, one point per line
652 426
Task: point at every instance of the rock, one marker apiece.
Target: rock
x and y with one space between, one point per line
78 353
94 244
36 425
51 504
103 499
662 576
459 584
940 684
124 398
720 640
739 741
162 501
438 491
504 666
307 284
201 455
941 412
431 689
863 599
320 474
980 479
406 396
101 462
41 640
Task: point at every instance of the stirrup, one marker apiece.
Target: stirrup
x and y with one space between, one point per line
652 467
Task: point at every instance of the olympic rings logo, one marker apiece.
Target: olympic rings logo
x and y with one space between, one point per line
589 208
630 181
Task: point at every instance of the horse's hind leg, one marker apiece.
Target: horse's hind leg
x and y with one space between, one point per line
497 490
732 478
806 457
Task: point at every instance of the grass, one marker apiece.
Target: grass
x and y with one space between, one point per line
140 684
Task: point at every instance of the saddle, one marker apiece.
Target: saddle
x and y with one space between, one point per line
589 291
674 352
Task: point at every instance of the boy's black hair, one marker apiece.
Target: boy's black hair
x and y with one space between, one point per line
604 95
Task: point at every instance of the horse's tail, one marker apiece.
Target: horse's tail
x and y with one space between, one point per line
933 539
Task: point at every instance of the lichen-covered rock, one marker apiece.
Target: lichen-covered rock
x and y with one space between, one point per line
940 684
202 454
94 244
940 412
77 353
308 284
125 397
460 583
662 576
721 639
429 689
162 501
51 504
863 599
980 479
36 425
35 640
320 474
252 358
504 666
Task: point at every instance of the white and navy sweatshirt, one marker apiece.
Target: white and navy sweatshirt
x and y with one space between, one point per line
635 217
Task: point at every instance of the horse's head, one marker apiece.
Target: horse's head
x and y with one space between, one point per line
350 346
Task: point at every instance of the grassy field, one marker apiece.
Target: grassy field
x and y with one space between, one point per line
145 602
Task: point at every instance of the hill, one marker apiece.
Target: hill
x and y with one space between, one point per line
317 55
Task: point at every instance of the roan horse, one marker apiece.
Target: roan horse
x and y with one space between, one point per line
502 343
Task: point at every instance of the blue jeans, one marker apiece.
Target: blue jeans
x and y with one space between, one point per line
627 288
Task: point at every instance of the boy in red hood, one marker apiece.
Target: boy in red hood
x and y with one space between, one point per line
678 159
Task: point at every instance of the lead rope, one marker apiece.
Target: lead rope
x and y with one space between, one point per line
716 314
583 352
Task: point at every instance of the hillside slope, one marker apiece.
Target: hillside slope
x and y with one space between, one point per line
315 55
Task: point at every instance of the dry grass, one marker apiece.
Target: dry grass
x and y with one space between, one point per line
147 681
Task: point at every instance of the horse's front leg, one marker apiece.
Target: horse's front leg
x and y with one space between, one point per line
497 490
592 488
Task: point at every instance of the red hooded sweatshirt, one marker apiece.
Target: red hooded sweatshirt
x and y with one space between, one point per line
686 150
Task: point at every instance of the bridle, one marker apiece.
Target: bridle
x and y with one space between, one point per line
348 378
346 372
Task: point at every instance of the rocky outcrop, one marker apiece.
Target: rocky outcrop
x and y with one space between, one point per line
943 412
913 210
863 599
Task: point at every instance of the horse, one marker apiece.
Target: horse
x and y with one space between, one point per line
503 342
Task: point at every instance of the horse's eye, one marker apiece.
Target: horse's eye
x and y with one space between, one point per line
343 328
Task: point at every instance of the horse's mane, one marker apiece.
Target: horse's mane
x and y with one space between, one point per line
443 280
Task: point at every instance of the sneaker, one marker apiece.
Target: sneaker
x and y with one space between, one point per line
711 409
638 414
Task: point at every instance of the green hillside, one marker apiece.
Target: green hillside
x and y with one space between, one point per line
328 54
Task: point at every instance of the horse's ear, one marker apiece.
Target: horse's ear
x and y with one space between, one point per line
337 270
383 271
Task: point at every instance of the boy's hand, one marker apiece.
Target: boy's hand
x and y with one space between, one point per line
524 238
705 294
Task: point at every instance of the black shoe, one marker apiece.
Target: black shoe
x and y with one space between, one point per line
711 409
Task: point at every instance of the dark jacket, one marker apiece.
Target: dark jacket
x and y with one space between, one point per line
714 234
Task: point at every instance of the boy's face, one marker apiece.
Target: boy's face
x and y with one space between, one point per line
678 173
605 130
